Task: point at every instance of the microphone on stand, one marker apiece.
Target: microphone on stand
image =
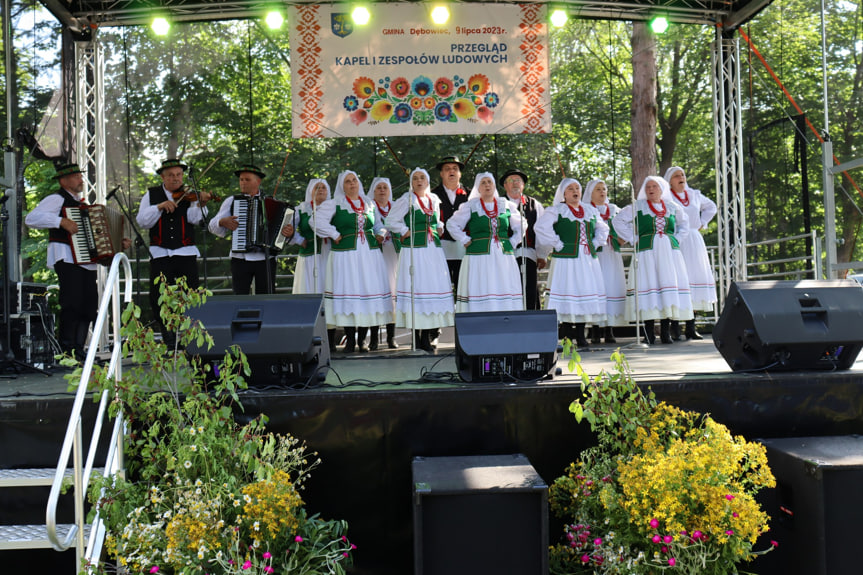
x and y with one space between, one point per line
113 193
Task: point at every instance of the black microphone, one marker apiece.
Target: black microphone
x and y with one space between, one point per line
113 192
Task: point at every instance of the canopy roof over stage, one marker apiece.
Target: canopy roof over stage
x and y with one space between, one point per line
81 15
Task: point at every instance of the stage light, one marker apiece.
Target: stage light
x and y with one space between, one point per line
274 20
659 25
361 15
160 26
440 14
559 18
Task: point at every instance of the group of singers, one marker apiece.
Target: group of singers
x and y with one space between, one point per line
394 263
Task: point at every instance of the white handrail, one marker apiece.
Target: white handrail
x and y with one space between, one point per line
72 441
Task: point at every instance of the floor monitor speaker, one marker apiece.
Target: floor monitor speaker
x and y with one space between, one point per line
791 325
506 346
284 336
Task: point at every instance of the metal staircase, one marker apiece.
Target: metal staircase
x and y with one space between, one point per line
86 538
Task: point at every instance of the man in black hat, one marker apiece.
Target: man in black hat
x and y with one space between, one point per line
170 211
79 296
451 194
529 261
257 263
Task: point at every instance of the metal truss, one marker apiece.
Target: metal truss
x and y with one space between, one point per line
728 136
90 116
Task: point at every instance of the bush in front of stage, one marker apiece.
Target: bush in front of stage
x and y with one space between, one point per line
203 493
663 489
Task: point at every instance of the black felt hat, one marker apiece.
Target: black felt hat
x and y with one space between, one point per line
450 160
251 169
171 163
66 170
518 173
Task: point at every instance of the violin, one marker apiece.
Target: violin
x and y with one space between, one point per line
188 194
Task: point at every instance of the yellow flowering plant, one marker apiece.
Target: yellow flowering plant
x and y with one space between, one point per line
202 493
663 490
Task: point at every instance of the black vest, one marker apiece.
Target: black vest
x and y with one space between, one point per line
59 234
447 209
173 230
529 210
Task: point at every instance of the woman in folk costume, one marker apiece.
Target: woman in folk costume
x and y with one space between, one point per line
432 292
575 287
381 198
655 225
309 275
356 294
700 210
610 261
489 278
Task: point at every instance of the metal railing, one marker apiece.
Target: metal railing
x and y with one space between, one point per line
73 441
802 271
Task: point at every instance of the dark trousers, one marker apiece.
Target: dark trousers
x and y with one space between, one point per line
244 271
79 305
454 268
173 267
531 292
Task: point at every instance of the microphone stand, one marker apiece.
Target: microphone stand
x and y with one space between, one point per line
204 221
638 343
523 260
139 240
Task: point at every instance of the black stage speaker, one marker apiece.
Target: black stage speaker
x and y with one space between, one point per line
506 345
283 336
817 505
479 514
791 325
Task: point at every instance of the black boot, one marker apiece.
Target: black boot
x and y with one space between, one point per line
675 330
331 336
580 340
690 331
649 334
350 339
391 336
595 334
424 341
361 339
665 331
609 335
373 337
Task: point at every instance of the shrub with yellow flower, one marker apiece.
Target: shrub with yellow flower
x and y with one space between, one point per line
663 489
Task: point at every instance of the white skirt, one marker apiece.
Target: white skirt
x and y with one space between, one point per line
702 285
489 282
576 290
357 292
432 297
391 261
304 276
662 282
614 278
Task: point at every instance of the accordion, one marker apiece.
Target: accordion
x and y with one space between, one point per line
260 223
99 235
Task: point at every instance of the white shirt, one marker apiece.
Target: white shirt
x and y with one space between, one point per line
225 210
47 215
148 216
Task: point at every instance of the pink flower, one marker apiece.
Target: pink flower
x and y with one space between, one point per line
268 569
154 569
696 534
664 549
774 543
683 532
344 538
353 546
597 541
729 532
298 539
267 555
654 523
735 514
656 539
729 497
585 558
668 539
247 565
672 561
345 553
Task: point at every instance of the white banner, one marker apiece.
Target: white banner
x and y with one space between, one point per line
485 71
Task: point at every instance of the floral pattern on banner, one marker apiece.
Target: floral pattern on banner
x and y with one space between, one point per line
421 101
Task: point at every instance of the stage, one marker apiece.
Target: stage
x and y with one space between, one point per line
377 411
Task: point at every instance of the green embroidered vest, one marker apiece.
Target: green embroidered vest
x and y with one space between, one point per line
422 223
307 232
569 232
346 222
646 223
479 230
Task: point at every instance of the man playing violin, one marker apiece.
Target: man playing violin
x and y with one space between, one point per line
256 263
171 218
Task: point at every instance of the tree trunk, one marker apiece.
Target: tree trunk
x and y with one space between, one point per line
643 147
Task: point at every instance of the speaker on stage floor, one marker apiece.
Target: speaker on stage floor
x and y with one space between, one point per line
506 346
284 336
791 325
